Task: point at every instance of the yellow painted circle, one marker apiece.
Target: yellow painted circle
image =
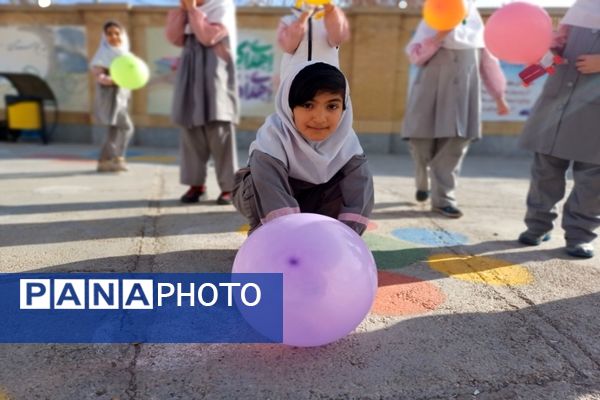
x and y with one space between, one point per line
480 269
244 229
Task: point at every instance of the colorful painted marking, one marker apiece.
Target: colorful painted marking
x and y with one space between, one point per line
244 229
430 237
405 295
480 269
391 253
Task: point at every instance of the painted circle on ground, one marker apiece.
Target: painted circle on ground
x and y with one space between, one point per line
372 226
390 253
243 229
430 237
399 295
66 189
479 269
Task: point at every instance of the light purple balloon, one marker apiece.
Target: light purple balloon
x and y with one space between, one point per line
329 275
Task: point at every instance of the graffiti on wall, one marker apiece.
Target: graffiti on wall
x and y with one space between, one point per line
257 67
57 54
258 59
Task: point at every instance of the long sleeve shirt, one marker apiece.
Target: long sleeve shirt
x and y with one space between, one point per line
489 67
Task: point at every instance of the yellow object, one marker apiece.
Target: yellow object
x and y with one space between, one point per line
444 15
317 2
24 115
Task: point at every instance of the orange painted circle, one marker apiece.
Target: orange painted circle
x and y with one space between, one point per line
399 294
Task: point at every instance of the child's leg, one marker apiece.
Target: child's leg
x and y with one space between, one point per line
124 133
221 140
244 198
421 151
547 187
194 152
581 213
445 168
109 148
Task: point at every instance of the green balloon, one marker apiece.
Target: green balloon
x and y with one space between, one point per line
129 72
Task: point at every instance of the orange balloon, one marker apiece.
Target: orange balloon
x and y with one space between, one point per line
443 15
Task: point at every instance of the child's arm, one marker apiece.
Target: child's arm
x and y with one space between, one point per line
357 193
559 40
207 33
271 185
336 25
290 36
419 53
494 80
174 31
101 76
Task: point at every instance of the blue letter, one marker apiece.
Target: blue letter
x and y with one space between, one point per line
64 296
31 293
136 288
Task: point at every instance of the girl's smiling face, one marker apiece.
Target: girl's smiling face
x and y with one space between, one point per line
318 118
113 36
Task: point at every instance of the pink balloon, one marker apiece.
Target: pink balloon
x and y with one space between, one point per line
329 275
519 33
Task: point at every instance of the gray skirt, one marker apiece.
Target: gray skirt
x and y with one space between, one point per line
445 99
109 102
205 87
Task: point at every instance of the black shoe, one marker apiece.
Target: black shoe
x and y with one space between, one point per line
584 250
448 211
422 195
225 199
531 239
193 194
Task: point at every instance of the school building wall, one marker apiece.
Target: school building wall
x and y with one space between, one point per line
373 60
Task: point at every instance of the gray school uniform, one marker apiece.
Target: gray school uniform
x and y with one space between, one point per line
564 127
110 108
442 117
265 187
205 105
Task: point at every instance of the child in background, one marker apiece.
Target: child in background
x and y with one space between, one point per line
205 102
309 34
443 114
306 156
563 130
110 106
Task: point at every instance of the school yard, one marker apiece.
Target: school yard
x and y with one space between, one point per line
462 312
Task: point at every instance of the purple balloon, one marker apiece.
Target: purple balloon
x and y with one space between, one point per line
329 275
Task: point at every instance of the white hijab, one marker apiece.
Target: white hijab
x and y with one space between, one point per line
314 162
467 35
221 12
584 13
107 53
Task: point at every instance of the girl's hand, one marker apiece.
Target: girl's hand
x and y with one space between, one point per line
502 107
105 80
588 63
303 18
441 35
189 4
329 8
